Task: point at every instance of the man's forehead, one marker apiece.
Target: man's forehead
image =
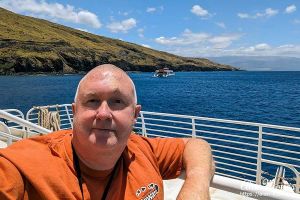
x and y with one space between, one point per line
113 82
107 77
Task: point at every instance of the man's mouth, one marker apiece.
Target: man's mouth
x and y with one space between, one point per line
103 129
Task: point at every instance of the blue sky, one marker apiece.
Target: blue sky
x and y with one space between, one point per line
202 28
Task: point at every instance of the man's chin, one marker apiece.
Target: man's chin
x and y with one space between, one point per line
104 140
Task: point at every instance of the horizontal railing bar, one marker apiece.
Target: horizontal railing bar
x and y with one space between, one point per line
224 134
281 135
174 127
18 127
162 136
23 122
65 124
31 119
229 147
277 142
229 141
231 170
7 136
63 115
165 120
224 121
232 176
292 167
171 132
283 150
279 156
227 128
66 119
240 155
240 167
239 161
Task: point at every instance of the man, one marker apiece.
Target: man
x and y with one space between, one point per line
101 158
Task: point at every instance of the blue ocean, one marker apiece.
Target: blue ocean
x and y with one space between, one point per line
264 97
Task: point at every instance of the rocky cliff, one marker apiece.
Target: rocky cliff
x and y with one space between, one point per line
30 45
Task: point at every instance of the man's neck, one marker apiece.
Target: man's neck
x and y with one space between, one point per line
97 159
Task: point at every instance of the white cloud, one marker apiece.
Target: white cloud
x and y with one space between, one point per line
258 47
255 50
123 13
221 24
199 11
186 38
192 44
190 40
296 21
52 11
141 32
223 41
268 12
290 9
146 45
82 29
243 15
122 26
154 9
150 10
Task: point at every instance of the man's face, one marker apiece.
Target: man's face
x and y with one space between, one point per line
105 111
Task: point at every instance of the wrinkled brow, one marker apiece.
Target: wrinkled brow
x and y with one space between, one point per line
115 92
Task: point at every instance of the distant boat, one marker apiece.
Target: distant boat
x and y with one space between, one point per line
164 72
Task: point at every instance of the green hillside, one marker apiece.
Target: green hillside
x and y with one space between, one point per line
30 45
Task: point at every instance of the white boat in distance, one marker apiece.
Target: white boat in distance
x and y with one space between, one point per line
243 151
164 72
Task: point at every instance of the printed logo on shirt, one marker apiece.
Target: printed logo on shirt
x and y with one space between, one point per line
147 192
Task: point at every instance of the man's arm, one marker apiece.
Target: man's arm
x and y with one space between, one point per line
199 166
11 182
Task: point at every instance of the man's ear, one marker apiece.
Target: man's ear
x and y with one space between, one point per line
73 108
137 110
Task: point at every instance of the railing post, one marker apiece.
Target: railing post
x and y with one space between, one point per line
6 129
297 188
259 156
144 132
68 114
193 128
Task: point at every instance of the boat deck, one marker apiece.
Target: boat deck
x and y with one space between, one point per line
246 154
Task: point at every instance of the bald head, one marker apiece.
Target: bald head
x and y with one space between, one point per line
106 71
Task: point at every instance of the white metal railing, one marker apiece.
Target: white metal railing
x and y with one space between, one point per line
243 151
64 110
6 138
251 190
12 124
16 127
22 122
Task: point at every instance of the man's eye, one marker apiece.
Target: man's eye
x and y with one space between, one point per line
117 101
92 101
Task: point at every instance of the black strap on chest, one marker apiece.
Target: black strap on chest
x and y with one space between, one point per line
79 176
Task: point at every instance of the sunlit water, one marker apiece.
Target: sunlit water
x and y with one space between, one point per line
265 97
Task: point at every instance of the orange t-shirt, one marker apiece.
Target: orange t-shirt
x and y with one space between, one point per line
42 168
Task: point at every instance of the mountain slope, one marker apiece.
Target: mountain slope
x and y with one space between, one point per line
33 45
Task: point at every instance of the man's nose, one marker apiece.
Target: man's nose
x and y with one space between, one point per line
103 112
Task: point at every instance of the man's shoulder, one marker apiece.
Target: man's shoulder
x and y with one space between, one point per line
34 145
138 140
